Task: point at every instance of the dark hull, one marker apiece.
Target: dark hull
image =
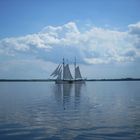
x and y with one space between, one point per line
80 81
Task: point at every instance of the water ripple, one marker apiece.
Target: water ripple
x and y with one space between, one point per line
41 111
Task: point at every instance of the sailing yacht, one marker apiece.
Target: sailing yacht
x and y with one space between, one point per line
62 74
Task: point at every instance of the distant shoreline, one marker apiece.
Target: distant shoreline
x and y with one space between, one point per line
52 80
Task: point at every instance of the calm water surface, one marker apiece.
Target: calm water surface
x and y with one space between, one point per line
45 111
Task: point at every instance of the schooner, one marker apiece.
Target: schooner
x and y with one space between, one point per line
62 74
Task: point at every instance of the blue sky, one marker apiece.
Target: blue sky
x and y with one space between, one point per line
20 17
36 34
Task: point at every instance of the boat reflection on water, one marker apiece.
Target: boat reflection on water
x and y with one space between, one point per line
99 110
68 94
78 88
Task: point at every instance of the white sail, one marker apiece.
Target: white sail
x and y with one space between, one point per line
66 73
77 73
69 75
55 71
59 74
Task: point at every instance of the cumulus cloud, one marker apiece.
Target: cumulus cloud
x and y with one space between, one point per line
134 28
93 46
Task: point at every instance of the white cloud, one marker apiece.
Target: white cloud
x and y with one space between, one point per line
93 46
134 29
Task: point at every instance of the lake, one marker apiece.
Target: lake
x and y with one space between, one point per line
46 111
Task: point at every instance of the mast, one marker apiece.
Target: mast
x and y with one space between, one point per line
63 67
75 68
66 71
